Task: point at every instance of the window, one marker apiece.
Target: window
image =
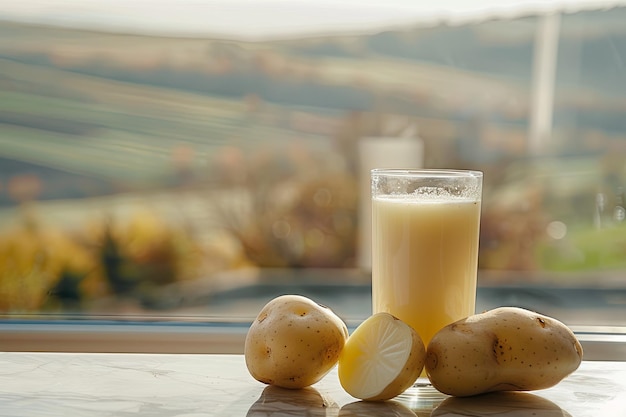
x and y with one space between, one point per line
153 172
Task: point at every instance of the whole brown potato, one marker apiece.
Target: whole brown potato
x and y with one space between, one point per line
294 342
505 349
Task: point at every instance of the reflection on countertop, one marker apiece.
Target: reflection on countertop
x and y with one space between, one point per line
38 384
499 403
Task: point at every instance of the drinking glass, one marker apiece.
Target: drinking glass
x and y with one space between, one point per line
425 229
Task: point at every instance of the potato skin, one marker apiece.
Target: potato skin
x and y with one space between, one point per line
294 342
505 349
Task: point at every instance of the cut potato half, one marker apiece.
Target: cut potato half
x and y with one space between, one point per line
381 359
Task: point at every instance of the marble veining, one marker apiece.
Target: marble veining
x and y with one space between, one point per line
70 384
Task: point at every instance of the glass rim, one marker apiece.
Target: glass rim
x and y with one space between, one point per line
427 173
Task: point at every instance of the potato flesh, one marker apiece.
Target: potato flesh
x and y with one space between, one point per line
382 358
506 349
293 342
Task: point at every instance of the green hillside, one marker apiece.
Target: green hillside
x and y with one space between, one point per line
116 107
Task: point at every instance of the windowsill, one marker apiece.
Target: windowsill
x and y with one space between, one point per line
203 337
216 321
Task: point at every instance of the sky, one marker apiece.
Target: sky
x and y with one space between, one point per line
254 19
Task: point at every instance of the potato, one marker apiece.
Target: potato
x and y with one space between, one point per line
505 349
381 359
294 342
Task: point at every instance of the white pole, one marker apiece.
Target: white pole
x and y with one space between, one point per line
544 74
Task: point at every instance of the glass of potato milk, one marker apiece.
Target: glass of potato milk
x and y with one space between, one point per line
425 229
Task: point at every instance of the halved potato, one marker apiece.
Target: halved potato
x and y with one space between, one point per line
381 359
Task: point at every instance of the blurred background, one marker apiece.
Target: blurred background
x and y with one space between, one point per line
192 159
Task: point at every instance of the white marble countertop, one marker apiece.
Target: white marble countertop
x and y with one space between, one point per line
71 384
